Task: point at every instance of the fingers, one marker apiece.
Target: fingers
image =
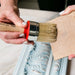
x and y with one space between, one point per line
9 35
71 56
5 20
12 37
16 20
15 41
68 10
11 15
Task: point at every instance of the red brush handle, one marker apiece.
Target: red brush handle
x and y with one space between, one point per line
26 30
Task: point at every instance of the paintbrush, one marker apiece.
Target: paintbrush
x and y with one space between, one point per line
45 32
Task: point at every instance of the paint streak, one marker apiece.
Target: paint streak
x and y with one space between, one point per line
38 59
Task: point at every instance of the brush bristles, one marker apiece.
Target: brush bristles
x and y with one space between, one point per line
47 32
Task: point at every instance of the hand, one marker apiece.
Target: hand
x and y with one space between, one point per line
10 14
68 10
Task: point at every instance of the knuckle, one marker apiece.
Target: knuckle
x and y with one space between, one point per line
69 7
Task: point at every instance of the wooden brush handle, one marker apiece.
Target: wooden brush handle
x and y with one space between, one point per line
9 27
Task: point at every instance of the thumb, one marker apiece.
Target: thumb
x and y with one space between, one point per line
68 10
17 20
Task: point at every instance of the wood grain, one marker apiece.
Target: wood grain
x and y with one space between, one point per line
10 27
65 44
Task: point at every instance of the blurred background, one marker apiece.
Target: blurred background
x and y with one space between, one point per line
49 5
29 4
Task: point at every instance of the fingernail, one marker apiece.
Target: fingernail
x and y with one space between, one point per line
24 23
25 42
61 12
21 35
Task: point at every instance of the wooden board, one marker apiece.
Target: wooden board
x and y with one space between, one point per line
65 44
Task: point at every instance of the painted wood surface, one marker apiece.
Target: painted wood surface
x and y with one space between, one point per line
38 60
65 37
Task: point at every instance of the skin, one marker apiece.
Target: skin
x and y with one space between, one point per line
9 13
68 10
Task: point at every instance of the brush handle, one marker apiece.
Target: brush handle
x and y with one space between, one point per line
9 27
45 32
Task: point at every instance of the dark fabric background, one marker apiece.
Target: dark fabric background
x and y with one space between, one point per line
54 5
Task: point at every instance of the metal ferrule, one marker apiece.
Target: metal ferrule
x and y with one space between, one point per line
34 30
